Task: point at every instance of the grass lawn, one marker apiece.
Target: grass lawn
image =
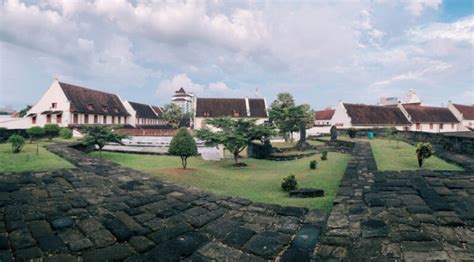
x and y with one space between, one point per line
27 159
388 157
260 181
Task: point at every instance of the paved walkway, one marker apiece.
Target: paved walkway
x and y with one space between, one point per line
102 211
409 216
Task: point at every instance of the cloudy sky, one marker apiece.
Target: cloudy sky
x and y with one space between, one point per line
320 51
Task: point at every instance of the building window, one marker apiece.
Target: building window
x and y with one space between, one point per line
104 120
452 125
75 119
431 125
113 119
86 119
48 118
33 120
440 126
59 118
96 119
119 120
54 105
418 126
90 107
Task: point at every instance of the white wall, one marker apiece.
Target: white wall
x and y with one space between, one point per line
132 119
199 122
53 94
463 122
425 127
340 118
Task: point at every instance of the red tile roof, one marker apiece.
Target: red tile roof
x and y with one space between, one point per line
324 114
102 103
257 107
375 115
233 107
430 114
466 111
143 111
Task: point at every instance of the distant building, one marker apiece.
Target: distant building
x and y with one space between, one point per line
254 108
369 116
385 101
144 115
324 117
183 100
410 98
464 114
429 118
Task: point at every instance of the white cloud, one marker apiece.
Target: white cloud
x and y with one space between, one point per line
459 31
417 7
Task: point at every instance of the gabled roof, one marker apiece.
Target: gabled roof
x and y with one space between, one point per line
233 107
158 110
430 114
181 90
257 107
143 111
466 111
101 103
324 114
375 115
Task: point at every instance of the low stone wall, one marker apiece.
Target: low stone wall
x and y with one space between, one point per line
456 143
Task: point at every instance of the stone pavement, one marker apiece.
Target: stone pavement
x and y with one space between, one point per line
409 216
101 211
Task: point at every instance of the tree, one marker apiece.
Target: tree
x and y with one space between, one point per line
173 114
35 133
397 137
388 132
423 151
101 135
17 142
183 145
24 111
51 130
235 135
304 118
65 133
280 115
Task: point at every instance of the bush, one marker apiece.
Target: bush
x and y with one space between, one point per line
17 142
313 164
423 151
183 145
289 183
324 156
51 130
3 134
352 132
65 133
35 133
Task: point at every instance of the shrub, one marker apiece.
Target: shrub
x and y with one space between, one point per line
17 142
183 145
3 134
35 133
352 132
101 135
313 164
289 183
51 130
423 151
324 156
65 133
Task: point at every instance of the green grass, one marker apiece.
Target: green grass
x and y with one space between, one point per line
27 159
388 157
260 181
295 152
289 144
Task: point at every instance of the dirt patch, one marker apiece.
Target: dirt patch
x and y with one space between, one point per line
176 172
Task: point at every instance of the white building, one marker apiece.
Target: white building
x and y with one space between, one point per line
361 116
429 118
251 108
464 114
183 100
142 115
71 106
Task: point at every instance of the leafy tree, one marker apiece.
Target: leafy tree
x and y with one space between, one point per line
423 151
51 130
65 133
101 135
24 111
304 118
173 114
388 132
235 135
17 142
284 100
397 137
183 145
35 133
